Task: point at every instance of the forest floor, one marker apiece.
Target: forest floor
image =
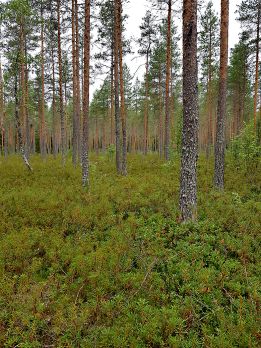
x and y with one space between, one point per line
113 267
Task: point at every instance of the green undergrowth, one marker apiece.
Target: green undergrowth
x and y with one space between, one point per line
113 267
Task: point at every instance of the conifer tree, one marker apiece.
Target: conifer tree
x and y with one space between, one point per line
61 93
209 48
239 86
222 98
188 180
148 32
250 18
86 97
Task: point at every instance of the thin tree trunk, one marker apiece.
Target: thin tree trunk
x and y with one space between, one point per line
27 123
42 118
209 95
188 180
2 108
257 64
123 109
112 95
62 116
116 87
168 71
161 140
18 125
75 140
54 121
85 136
146 111
220 133
78 87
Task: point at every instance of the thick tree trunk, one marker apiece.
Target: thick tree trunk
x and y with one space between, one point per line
62 116
168 72
257 63
220 133
116 87
86 97
188 180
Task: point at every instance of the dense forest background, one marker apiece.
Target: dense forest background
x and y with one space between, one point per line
160 245
41 68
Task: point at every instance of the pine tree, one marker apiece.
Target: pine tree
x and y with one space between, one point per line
239 86
208 48
188 184
18 21
61 93
86 101
250 18
2 127
148 33
167 91
222 98
42 107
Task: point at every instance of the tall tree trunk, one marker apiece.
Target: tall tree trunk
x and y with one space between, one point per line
116 87
19 125
168 72
209 94
85 136
123 109
22 84
74 118
112 95
27 121
78 85
62 116
257 63
2 125
161 137
222 98
188 180
54 121
42 107
146 111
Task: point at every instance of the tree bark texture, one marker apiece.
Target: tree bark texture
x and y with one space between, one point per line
189 155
